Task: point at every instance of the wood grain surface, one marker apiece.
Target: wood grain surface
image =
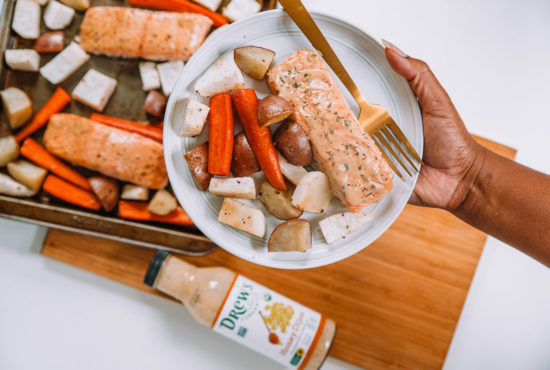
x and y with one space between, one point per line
396 303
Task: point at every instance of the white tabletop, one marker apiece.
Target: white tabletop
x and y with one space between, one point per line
492 56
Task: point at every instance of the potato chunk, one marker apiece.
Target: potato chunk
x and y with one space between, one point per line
17 105
243 217
313 193
27 174
254 61
163 203
278 202
9 150
291 236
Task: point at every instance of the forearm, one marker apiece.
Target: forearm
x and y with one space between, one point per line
512 203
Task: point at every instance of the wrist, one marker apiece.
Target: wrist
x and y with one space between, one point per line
471 188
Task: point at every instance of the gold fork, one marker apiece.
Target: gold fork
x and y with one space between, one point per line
374 119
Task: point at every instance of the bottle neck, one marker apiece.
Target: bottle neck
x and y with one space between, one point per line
176 278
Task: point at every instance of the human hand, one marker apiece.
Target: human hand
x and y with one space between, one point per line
452 157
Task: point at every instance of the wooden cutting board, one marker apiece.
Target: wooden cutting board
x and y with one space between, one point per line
396 303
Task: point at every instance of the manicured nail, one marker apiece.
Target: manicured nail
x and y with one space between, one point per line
389 45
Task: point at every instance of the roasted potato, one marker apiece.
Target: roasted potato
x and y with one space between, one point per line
254 60
106 190
290 236
243 217
9 150
278 202
341 224
273 109
292 173
17 105
155 104
221 77
27 174
77 4
293 143
162 203
234 187
134 192
313 193
244 161
50 42
11 187
197 160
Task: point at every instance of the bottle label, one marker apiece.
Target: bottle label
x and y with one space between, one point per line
269 323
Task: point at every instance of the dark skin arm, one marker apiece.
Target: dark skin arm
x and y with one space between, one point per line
498 196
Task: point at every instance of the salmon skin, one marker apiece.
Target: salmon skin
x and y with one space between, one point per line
357 172
115 153
138 33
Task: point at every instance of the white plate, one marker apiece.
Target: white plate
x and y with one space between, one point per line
364 59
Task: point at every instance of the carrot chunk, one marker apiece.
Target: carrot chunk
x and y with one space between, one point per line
140 212
181 6
259 137
222 125
71 194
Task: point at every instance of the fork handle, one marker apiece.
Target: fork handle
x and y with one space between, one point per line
303 20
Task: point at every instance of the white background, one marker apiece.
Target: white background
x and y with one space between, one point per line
492 56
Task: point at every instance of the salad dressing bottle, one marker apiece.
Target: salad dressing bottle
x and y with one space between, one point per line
245 311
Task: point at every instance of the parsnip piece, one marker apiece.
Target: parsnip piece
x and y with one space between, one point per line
9 186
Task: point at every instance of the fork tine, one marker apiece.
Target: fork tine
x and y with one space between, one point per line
390 163
387 145
401 136
388 134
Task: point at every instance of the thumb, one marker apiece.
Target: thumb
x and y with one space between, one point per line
431 95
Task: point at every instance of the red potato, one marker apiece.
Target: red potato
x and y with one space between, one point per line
106 190
244 161
155 104
50 42
274 109
293 143
197 160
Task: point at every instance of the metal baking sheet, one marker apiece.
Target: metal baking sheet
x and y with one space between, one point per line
126 102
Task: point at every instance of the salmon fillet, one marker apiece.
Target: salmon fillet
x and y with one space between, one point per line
357 173
138 33
115 153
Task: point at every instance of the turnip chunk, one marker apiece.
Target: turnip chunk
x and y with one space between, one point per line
9 186
168 73
149 76
17 106
313 193
27 173
94 89
194 117
134 192
58 16
26 19
64 64
220 77
9 150
238 9
22 59
293 173
234 187
341 224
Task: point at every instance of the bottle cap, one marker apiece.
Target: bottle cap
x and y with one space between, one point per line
154 267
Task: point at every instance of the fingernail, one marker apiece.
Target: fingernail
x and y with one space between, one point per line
389 45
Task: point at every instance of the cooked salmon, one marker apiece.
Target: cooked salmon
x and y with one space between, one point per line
138 33
358 174
115 153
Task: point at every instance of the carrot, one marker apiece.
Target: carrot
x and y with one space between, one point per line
181 6
71 194
33 151
149 131
222 125
138 211
57 102
259 137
